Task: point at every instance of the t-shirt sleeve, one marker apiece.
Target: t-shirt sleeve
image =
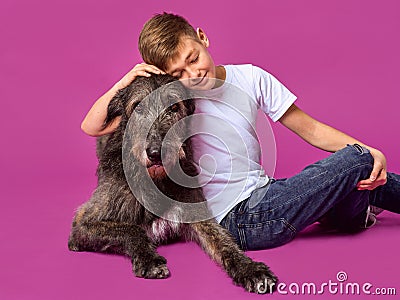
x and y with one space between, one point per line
272 96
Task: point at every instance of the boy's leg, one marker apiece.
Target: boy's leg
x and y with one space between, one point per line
384 197
289 205
387 196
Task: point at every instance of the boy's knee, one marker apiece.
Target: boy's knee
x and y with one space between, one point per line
360 154
353 159
360 149
361 158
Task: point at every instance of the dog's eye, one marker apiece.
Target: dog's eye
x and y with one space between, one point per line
138 108
174 107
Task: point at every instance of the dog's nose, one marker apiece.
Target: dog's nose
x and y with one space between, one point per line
154 154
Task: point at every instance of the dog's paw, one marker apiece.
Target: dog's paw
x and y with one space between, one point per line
73 246
257 278
154 268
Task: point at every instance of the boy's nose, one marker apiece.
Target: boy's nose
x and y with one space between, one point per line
193 73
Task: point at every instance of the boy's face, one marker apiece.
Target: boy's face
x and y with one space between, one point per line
193 64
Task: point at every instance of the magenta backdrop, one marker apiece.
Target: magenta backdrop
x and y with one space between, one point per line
341 58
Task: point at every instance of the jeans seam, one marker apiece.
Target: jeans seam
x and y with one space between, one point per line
325 182
242 237
309 191
258 224
289 232
333 179
290 226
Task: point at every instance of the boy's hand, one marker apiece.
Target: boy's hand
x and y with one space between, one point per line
93 124
141 69
378 175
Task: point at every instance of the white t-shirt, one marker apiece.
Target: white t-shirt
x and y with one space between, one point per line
225 144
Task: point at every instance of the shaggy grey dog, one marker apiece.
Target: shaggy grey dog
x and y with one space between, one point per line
114 221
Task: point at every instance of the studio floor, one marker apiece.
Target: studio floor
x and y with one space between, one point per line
36 264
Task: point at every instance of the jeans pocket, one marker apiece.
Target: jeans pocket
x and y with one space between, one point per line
268 234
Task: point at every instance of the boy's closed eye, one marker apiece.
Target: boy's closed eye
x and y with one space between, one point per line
195 60
192 58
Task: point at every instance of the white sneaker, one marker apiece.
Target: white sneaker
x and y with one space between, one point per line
376 210
370 220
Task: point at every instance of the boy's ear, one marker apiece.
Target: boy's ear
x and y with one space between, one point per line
203 37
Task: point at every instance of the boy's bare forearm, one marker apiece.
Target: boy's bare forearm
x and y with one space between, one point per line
314 132
328 138
93 122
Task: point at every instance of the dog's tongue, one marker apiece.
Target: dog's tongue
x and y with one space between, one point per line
156 171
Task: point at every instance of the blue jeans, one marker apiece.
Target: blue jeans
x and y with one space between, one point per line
273 215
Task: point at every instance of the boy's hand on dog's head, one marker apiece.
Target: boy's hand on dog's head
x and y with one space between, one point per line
141 69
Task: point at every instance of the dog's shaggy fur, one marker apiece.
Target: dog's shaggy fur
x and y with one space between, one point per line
114 221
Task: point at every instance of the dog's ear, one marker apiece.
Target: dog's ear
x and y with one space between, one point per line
116 106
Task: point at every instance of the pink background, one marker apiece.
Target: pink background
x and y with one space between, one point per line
341 58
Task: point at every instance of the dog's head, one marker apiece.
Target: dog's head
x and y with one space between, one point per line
152 111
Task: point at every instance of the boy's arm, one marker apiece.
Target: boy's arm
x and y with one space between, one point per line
93 123
330 139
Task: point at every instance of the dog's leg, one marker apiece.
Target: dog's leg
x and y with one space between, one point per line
221 247
120 238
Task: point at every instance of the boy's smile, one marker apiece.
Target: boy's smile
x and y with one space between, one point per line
194 65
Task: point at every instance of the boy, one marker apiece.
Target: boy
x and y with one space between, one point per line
341 190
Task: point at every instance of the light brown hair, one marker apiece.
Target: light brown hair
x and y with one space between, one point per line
160 37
